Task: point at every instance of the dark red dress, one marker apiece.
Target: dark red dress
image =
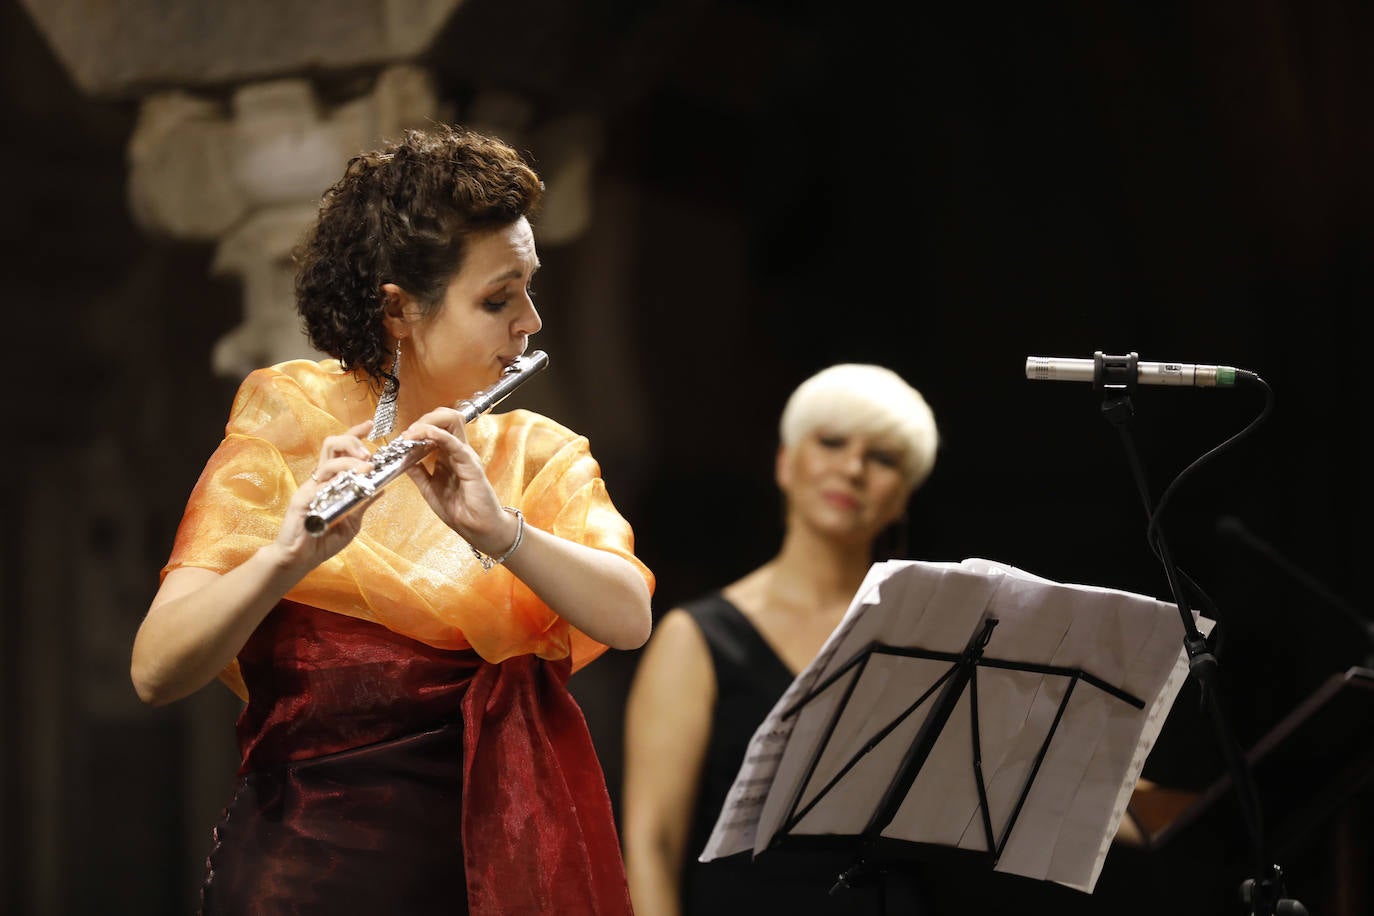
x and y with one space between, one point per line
382 775
409 745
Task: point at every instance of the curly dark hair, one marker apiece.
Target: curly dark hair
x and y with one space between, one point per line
402 214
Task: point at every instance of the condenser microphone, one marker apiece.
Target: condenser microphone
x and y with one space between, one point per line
1129 370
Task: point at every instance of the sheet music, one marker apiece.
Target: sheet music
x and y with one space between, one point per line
1079 793
736 828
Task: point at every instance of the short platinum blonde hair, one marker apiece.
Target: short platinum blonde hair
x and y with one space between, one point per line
858 398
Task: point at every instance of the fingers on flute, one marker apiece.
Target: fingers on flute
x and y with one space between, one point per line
348 444
328 470
445 418
439 435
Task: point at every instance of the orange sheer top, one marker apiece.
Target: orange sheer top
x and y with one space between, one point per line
406 569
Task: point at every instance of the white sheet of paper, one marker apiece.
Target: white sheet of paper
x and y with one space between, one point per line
1079 792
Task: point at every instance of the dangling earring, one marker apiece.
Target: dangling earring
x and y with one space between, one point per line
385 417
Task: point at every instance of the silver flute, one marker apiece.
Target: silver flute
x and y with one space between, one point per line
350 490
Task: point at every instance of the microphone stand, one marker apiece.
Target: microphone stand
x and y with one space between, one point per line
1116 377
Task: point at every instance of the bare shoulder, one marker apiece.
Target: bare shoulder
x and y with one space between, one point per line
677 632
675 664
677 655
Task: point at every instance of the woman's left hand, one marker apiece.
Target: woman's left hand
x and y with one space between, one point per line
596 591
457 489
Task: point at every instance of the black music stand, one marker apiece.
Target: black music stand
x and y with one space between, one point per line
1305 768
958 680
959 709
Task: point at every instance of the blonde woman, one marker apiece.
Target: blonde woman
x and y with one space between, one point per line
856 442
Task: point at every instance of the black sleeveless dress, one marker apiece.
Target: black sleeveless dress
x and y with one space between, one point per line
750 678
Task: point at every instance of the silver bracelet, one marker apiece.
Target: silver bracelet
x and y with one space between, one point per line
488 562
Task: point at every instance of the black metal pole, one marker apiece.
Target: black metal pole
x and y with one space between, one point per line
1264 893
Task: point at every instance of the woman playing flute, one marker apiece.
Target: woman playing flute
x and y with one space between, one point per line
408 743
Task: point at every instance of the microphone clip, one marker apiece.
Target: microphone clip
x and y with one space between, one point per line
1117 374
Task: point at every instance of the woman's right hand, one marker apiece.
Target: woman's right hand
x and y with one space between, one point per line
200 619
298 548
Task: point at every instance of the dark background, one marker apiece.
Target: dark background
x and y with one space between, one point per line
942 189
